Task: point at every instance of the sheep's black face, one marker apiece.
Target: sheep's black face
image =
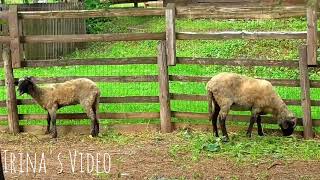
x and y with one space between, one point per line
287 126
24 85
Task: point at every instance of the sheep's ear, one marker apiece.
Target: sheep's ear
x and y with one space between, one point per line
31 78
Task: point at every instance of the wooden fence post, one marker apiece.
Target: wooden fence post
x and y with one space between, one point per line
305 93
171 34
312 32
13 119
164 97
1 168
14 35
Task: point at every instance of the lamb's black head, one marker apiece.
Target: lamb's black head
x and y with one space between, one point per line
25 84
287 126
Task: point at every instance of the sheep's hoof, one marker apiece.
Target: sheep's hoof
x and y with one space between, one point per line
249 135
260 133
225 139
54 135
94 133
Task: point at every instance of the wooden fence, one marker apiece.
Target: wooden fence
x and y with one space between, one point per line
47 27
166 57
236 2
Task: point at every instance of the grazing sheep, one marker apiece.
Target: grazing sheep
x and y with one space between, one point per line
259 96
1 169
52 97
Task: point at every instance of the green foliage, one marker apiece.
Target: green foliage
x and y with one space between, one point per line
96 4
96 25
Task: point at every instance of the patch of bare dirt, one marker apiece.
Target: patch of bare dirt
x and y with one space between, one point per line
144 157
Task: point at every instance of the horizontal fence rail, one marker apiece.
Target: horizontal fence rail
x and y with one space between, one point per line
154 78
235 118
149 115
87 62
238 62
190 12
126 99
240 35
192 97
105 115
155 36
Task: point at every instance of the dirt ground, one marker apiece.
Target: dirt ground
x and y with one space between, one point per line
145 157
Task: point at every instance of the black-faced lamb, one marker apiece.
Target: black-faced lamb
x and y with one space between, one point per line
54 96
259 96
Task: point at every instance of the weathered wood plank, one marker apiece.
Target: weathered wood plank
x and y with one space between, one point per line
91 13
92 37
154 78
238 62
240 12
146 78
15 36
241 118
12 107
192 97
126 99
161 36
5 39
105 115
312 38
155 99
4 15
164 96
240 35
128 1
191 12
96 61
122 79
305 93
130 99
171 34
274 82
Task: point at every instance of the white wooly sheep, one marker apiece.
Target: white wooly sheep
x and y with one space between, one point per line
54 96
259 96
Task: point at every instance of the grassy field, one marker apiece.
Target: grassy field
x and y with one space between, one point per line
258 49
181 155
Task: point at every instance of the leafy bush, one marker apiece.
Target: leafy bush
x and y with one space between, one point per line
96 25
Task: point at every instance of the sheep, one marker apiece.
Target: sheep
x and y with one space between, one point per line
54 96
259 96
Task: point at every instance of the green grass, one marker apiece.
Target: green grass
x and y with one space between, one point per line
257 49
242 149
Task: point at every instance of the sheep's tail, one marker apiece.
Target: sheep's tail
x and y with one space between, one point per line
95 105
210 101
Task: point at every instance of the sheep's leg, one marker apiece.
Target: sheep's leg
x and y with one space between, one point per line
225 105
260 131
213 115
91 114
48 125
222 120
252 120
215 118
95 108
53 115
